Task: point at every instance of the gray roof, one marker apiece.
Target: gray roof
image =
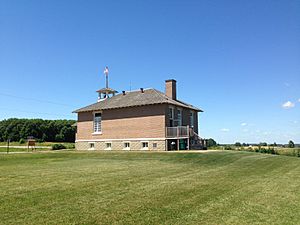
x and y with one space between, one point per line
109 90
135 98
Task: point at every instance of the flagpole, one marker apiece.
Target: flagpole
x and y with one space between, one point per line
106 75
106 80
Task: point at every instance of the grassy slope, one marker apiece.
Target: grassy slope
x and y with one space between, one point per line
149 188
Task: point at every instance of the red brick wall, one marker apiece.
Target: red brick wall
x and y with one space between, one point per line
136 122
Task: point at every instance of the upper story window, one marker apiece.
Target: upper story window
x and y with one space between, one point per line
97 122
179 117
171 117
171 113
191 118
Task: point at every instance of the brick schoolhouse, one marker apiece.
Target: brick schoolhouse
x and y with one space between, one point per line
146 119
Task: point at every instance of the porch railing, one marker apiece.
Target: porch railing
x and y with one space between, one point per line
177 132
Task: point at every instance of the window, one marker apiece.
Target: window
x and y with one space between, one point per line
145 145
126 146
91 146
171 113
108 146
179 117
191 118
97 122
154 145
171 117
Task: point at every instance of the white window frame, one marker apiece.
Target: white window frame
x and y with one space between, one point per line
126 148
99 131
145 148
91 148
192 119
179 120
108 148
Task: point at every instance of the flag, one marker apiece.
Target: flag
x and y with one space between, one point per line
106 71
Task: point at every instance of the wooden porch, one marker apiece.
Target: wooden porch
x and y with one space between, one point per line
181 134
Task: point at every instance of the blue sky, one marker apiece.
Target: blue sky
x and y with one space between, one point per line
237 60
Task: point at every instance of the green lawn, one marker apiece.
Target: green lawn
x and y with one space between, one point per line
45 144
225 187
2 149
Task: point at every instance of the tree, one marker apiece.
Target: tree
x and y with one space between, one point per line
45 130
211 142
291 144
59 137
263 144
238 144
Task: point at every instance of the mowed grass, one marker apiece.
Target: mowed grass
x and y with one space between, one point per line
3 149
224 187
46 144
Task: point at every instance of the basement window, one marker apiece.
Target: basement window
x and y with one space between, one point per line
126 146
108 146
145 145
92 146
154 145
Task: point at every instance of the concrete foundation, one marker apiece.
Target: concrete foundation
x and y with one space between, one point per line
120 145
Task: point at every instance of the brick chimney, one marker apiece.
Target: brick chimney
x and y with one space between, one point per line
171 88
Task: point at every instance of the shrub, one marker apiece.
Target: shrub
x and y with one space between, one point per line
263 150
22 141
210 142
58 146
271 151
250 149
228 147
39 140
69 145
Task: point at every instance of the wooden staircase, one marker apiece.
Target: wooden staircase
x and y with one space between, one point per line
196 142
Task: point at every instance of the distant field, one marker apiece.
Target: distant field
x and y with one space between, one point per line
222 187
277 150
287 151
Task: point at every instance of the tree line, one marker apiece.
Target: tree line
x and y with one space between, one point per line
212 143
42 130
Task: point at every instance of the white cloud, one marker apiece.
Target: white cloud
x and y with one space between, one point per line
299 100
288 105
287 84
245 130
225 129
243 124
